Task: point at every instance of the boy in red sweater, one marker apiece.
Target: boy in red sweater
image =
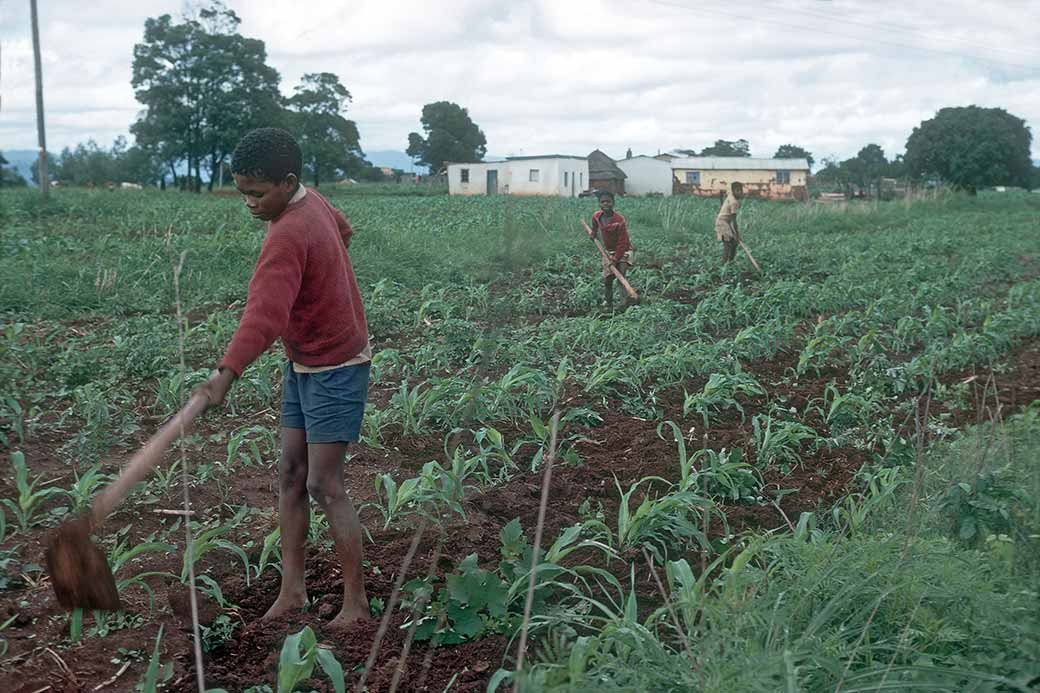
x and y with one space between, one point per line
303 290
612 228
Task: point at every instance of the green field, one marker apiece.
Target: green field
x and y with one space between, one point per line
821 476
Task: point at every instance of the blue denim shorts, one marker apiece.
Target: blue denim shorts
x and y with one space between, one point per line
329 405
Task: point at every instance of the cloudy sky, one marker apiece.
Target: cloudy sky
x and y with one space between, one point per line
566 76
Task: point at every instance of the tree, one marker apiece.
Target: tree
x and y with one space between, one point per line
87 163
53 169
970 147
450 136
728 148
142 166
790 151
871 165
203 86
628 153
330 142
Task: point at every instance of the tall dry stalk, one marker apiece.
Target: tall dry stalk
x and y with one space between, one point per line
200 678
384 624
546 481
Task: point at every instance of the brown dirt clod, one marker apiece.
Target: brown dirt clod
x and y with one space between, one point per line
79 571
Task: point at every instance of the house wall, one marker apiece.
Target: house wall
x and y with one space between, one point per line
514 177
646 175
757 183
550 177
477 184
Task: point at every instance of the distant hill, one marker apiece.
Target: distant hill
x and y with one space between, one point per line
22 160
394 159
400 160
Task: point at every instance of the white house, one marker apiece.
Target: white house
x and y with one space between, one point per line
553 174
645 174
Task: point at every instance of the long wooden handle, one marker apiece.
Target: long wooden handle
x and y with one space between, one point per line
749 255
610 263
146 459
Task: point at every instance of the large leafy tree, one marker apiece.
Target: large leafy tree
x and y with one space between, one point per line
88 163
53 169
862 172
451 135
970 147
203 86
728 148
330 142
790 151
869 166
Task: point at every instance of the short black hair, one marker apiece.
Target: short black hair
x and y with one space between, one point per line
604 193
269 154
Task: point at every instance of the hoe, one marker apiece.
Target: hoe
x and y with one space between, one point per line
79 571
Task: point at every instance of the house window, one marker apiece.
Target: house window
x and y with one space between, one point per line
693 178
581 180
534 175
783 177
465 175
565 174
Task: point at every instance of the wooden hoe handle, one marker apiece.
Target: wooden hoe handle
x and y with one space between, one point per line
610 263
146 459
749 255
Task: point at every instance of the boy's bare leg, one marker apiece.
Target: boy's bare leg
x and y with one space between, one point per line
608 291
325 484
294 515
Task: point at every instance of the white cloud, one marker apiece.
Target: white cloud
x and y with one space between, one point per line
551 76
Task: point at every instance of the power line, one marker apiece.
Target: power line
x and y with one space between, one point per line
879 26
939 51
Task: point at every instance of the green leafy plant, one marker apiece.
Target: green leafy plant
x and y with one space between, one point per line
211 538
475 601
779 443
993 505
662 525
720 393
85 486
724 474
158 673
215 634
244 446
300 652
31 497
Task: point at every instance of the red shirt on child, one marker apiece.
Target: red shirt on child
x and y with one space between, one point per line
614 231
302 290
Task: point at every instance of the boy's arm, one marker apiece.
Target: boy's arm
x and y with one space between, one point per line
272 293
345 230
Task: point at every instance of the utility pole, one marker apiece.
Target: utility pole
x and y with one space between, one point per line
45 183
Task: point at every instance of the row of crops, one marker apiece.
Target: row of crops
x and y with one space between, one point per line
801 398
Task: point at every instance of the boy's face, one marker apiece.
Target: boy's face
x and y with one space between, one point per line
607 205
266 199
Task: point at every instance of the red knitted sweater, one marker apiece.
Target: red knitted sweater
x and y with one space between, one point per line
303 290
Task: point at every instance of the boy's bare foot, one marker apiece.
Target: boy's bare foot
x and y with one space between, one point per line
350 614
284 604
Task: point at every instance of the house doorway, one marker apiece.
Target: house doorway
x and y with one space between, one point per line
492 182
